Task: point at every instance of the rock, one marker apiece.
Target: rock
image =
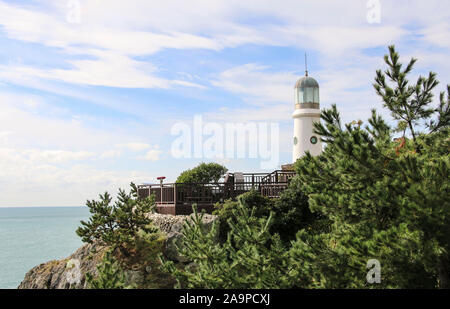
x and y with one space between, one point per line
172 226
171 245
70 272
67 273
134 277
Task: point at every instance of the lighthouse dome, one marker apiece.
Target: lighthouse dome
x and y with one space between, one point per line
307 91
306 82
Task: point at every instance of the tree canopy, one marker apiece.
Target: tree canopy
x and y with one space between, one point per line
203 173
117 225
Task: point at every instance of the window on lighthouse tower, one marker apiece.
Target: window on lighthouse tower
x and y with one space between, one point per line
307 95
309 92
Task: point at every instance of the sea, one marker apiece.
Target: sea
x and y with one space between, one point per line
34 235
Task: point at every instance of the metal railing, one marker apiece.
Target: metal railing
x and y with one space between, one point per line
269 185
278 177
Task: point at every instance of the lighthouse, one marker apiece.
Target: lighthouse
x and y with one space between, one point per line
307 111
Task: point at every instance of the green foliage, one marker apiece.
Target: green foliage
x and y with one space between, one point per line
203 173
225 212
249 200
370 196
117 225
110 275
387 200
338 259
292 213
250 258
410 104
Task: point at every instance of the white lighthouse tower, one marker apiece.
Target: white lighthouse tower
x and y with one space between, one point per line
307 111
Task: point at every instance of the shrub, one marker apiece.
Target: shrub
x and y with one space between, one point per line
251 258
203 173
117 225
110 275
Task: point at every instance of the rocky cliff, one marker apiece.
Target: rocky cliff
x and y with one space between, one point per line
70 272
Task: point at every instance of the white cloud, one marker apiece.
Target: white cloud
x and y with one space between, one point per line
134 146
112 49
26 184
438 34
111 154
152 155
109 69
56 156
52 29
255 81
4 136
55 161
113 36
38 128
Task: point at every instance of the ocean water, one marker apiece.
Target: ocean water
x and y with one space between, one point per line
34 235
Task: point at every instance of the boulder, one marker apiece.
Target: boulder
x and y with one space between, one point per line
67 273
172 226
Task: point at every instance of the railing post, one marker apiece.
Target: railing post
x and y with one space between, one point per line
203 199
174 194
161 179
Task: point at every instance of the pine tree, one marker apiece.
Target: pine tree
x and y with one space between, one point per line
117 225
110 275
249 200
387 199
292 213
250 258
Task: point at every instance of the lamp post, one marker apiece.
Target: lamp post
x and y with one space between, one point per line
161 179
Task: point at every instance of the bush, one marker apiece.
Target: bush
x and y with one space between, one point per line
250 258
110 275
117 225
292 213
249 200
203 173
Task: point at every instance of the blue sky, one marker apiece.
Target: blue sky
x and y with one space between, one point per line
87 104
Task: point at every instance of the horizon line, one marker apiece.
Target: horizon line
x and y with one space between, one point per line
40 206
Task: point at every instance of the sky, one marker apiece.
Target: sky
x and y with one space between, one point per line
91 90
